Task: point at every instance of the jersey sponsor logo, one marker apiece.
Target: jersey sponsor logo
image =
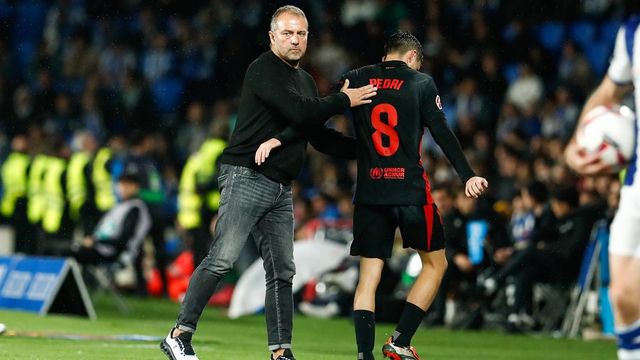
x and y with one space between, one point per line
438 102
388 173
393 84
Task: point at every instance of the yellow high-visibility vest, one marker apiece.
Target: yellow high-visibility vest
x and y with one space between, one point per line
209 153
36 201
54 194
14 181
105 197
76 183
189 202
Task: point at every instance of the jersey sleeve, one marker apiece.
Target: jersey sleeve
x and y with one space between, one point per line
434 119
620 66
431 105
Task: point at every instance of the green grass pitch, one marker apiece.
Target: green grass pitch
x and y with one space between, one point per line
221 338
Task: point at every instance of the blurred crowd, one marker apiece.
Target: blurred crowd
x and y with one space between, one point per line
151 82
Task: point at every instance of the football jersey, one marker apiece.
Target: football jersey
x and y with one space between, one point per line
389 133
624 69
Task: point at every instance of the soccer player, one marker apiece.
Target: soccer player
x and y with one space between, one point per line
393 189
256 200
624 243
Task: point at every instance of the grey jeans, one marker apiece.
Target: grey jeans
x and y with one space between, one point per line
251 205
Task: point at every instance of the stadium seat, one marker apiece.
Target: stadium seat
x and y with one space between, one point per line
105 282
597 54
608 31
167 94
551 35
510 72
583 33
30 17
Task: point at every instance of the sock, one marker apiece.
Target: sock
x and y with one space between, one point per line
629 341
365 325
409 321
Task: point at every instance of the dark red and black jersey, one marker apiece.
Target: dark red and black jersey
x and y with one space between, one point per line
389 133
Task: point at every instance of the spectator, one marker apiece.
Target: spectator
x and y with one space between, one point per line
118 237
556 259
527 89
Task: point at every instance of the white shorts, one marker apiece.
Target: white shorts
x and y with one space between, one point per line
624 238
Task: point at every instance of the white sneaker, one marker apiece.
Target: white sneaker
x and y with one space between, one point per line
179 347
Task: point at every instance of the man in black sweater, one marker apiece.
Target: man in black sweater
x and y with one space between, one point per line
278 103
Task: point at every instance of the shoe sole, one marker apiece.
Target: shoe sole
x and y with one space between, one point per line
166 350
391 355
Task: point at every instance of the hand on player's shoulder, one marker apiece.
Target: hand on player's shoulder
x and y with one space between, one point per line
358 96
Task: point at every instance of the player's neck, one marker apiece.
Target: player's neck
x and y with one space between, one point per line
394 57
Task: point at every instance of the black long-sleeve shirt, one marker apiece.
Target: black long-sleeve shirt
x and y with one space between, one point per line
275 99
389 132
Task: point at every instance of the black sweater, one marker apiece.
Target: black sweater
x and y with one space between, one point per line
276 99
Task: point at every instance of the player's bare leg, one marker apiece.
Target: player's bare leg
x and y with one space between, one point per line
420 297
625 297
364 305
424 290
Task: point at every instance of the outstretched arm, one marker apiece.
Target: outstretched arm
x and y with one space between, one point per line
332 142
304 110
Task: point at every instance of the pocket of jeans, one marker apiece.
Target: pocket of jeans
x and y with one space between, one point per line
247 174
221 180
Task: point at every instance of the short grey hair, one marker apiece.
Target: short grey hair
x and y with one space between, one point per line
286 9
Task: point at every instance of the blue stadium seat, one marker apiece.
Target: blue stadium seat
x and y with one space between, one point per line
510 72
25 52
597 54
551 35
608 31
167 94
30 17
6 11
583 33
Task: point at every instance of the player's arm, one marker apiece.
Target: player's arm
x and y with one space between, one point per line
435 121
615 85
303 110
332 142
325 140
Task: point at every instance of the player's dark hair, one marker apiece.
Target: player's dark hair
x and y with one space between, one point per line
401 42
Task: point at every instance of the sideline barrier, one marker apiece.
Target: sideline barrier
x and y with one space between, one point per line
43 285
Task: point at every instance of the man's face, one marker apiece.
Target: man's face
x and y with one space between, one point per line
289 40
127 189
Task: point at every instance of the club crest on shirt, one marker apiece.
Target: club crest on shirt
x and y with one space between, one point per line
375 173
438 102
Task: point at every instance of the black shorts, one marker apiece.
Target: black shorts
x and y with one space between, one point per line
374 228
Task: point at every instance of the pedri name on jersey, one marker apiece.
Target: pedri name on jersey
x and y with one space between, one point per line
394 84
